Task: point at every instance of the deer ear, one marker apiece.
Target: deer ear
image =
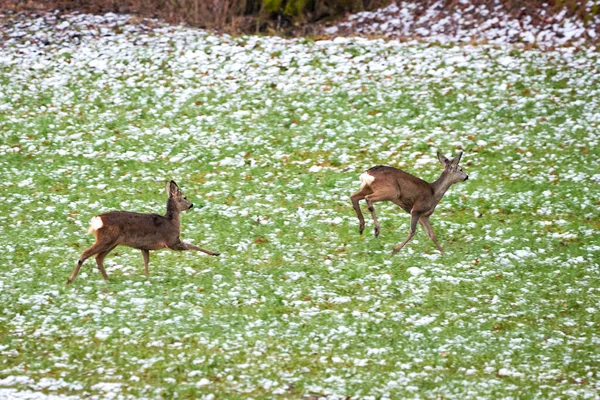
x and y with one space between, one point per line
443 160
172 188
456 159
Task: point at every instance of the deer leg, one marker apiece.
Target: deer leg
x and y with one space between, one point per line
94 249
424 221
378 196
187 246
75 272
414 217
356 197
100 262
146 256
372 211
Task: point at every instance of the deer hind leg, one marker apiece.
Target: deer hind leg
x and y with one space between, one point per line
387 195
146 256
414 217
100 261
424 221
356 197
96 248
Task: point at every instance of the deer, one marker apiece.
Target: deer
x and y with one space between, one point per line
140 231
414 195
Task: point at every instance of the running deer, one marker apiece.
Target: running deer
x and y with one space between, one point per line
140 231
413 195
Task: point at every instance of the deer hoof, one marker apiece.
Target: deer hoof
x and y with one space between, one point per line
377 232
216 254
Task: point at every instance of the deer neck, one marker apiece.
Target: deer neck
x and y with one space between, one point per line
441 185
172 212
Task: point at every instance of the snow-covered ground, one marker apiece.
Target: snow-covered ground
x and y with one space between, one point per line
468 23
272 134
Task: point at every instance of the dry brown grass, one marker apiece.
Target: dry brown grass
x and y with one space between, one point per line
238 16
232 16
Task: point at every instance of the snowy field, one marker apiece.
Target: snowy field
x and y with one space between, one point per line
494 22
270 135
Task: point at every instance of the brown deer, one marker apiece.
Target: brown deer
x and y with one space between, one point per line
413 195
140 231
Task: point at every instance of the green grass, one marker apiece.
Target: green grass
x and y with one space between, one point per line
299 303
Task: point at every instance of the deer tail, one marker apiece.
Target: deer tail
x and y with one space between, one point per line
366 179
96 224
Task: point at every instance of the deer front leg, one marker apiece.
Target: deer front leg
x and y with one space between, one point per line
146 256
414 217
424 221
186 246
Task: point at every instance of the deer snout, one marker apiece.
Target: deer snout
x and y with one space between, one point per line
191 205
466 177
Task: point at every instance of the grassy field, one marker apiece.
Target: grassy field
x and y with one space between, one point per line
270 135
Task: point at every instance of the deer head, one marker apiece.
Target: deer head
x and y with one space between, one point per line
178 199
453 171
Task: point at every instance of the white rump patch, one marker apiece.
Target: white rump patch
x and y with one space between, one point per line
366 179
96 224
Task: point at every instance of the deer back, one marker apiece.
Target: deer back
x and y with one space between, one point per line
143 231
140 231
409 189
